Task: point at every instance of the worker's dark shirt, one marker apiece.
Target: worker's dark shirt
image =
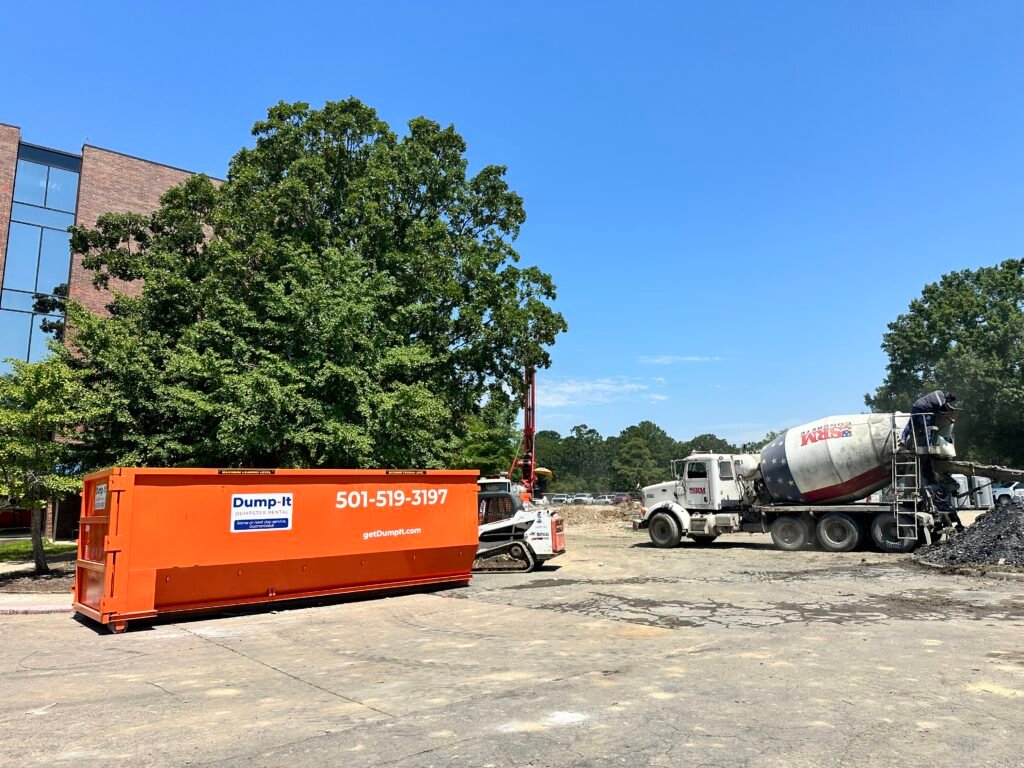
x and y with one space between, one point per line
933 402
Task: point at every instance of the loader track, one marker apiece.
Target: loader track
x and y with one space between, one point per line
513 556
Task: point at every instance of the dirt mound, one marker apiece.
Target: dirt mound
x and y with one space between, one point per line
995 538
584 514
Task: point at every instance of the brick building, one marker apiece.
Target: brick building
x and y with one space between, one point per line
43 192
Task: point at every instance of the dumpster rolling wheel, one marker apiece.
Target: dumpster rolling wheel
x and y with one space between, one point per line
117 627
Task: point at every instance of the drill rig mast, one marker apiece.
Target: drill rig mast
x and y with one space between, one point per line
528 462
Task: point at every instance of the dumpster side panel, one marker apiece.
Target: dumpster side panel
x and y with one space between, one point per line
197 538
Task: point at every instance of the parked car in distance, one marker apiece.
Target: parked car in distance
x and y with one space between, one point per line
621 498
583 498
560 498
606 499
1003 492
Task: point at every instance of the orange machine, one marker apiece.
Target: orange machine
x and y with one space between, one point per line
156 541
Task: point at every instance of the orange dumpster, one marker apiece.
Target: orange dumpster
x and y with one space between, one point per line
156 541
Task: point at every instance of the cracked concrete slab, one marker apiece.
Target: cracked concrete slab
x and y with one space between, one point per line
621 655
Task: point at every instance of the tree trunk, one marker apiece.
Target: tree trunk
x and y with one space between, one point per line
38 553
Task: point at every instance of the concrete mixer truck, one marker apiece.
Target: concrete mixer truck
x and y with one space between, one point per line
812 483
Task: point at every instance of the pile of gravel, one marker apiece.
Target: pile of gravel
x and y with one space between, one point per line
995 538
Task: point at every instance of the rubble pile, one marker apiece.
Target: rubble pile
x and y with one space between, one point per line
996 538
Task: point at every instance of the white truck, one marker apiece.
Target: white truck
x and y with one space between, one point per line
1004 493
811 483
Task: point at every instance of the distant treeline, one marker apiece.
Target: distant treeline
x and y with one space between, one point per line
584 460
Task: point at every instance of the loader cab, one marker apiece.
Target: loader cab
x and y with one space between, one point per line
496 506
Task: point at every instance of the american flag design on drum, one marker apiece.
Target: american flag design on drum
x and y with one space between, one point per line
835 460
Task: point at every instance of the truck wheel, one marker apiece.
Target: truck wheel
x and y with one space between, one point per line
790 533
886 536
664 531
1002 501
838 532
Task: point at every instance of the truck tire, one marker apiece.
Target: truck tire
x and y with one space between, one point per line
1002 501
790 533
664 531
838 532
886 536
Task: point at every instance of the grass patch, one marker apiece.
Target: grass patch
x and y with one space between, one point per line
21 549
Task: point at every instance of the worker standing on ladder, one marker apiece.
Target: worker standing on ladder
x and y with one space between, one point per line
923 412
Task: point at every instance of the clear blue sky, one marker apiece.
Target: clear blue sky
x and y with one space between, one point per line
734 198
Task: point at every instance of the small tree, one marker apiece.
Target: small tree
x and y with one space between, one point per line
41 405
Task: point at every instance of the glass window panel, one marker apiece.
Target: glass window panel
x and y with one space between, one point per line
41 216
38 349
30 183
54 260
22 257
62 190
14 332
16 300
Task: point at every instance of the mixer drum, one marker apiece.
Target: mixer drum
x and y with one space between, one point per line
832 461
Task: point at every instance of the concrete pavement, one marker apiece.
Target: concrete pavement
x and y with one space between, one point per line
733 654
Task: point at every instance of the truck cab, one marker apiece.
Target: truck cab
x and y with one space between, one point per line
703 481
703 499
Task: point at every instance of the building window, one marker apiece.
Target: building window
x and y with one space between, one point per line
38 257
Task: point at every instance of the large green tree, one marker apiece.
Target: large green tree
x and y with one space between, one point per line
634 464
661 445
347 297
41 406
585 459
965 333
548 444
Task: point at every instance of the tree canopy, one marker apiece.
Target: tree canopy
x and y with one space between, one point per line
966 334
347 297
584 460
